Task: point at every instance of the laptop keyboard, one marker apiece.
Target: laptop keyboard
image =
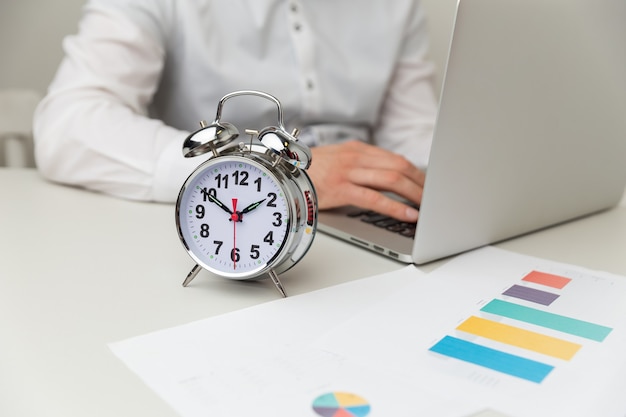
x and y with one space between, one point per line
385 222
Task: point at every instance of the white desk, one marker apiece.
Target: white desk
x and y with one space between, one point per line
80 270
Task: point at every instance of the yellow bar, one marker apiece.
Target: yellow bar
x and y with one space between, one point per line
521 338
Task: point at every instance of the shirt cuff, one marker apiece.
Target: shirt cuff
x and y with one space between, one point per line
172 171
329 134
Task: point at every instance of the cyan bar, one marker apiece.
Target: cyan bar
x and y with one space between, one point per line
549 320
493 359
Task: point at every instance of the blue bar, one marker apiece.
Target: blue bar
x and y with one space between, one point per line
493 359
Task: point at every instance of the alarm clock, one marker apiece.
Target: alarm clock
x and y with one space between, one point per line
250 210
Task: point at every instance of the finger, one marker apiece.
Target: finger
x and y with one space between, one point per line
372 157
387 180
370 199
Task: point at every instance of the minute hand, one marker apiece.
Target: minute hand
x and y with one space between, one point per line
220 204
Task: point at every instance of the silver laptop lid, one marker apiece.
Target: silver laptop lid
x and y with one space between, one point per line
532 123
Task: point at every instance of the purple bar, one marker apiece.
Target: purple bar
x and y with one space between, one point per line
530 294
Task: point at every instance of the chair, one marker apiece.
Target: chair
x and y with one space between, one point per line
17 107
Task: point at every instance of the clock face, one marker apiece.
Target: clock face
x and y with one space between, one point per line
233 217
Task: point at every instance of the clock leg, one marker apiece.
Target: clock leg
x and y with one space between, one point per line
191 275
276 282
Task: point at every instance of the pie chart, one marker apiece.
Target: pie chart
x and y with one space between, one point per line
341 404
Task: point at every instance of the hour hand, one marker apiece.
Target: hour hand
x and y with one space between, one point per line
220 204
252 206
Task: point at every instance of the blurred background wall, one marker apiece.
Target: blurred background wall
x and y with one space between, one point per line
31 32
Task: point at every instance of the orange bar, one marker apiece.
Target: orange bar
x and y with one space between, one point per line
521 338
550 280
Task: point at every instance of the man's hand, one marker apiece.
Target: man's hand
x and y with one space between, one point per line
355 173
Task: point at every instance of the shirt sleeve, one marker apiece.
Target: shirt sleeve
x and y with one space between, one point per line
409 108
93 130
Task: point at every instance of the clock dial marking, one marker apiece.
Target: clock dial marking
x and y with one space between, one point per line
240 182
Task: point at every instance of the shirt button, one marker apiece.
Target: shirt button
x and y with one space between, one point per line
297 27
294 7
310 85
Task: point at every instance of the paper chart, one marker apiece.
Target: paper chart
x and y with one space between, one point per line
466 345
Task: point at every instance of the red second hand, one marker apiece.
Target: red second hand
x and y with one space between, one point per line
234 218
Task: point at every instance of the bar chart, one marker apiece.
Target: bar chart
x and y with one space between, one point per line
517 334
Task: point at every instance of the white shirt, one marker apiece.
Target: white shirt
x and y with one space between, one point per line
140 75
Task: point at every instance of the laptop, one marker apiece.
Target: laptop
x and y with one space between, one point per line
530 133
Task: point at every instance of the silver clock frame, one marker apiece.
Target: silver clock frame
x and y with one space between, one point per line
278 153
